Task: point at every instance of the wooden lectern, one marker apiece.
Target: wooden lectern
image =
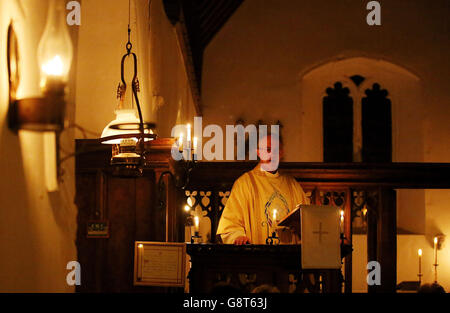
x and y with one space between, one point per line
219 268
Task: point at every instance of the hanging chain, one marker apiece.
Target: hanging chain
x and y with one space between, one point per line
129 45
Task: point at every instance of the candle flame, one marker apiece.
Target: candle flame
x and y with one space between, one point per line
54 66
187 208
342 215
435 240
419 252
274 214
140 246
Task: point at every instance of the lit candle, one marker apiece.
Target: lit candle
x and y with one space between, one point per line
196 223
188 136
187 208
195 145
180 142
274 217
435 259
435 250
419 252
140 256
364 211
342 221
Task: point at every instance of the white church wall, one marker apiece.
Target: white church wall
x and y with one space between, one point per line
37 228
407 261
251 71
165 94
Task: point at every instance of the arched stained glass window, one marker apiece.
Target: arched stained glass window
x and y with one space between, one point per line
337 125
376 126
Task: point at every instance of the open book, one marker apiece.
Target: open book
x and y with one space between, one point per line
292 221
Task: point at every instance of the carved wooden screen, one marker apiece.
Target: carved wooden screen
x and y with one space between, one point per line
357 203
208 205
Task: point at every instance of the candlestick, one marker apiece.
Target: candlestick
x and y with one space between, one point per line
196 238
341 226
188 222
419 252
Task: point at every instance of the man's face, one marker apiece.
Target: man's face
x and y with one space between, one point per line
270 152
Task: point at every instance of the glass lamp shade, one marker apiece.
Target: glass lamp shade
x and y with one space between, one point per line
55 49
126 123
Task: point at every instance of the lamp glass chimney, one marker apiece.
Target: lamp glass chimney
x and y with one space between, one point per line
55 49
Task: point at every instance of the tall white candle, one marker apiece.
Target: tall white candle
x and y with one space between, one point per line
140 256
419 252
180 142
195 145
342 221
188 136
435 250
435 259
196 223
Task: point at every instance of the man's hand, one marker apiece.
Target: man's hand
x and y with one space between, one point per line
242 240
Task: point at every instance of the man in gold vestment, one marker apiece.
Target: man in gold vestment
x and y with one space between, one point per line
259 199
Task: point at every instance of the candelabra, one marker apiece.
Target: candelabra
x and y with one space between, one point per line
187 157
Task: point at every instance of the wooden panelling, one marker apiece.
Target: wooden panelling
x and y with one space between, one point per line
129 204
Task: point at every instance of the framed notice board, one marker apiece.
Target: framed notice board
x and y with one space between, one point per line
159 264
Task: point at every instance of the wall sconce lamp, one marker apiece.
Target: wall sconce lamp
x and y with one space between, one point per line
44 113
47 112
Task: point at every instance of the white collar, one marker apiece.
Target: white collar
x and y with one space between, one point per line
268 174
